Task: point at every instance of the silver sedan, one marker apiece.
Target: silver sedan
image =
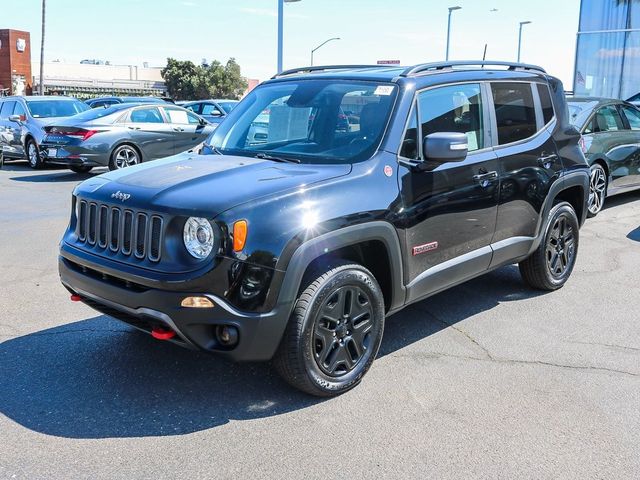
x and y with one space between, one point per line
122 135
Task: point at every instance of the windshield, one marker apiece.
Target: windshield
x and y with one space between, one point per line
55 108
579 112
311 121
227 106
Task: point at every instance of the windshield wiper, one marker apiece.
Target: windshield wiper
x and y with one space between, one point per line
266 156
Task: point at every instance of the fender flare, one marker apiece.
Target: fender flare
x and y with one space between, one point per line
310 250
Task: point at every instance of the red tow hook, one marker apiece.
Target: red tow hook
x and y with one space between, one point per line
162 334
76 298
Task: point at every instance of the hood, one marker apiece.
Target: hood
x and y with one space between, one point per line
203 185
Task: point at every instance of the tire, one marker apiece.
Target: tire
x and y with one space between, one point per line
33 154
550 266
320 352
80 169
597 190
124 156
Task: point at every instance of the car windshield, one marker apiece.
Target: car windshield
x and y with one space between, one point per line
227 106
305 121
55 108
95 113
579 112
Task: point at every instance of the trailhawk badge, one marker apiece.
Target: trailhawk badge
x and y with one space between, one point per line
121 196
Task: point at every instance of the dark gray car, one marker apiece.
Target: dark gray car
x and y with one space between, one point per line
22 122
213 111
123 135
611 142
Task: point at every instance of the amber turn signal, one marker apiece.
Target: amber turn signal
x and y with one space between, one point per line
196 302
239 235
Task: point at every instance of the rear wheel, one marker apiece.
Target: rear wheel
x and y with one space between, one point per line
33 154
550 266
124 156
80 169
597 190
334 333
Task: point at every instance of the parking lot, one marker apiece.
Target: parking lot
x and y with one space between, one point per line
486 380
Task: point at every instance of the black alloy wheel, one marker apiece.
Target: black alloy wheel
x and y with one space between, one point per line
334 332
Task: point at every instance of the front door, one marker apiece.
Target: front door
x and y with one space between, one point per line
149 131
632 131
450 207
187 129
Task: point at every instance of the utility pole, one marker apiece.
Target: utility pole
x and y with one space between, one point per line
41 86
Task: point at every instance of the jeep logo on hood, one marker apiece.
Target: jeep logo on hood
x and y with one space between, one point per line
121 196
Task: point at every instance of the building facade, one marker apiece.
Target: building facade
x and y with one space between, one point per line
608 49
15 62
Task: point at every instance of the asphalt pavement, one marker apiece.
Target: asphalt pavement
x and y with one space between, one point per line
487 380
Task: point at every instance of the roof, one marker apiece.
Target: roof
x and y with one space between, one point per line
593 99
38 98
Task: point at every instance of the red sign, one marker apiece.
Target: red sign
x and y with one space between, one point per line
388 62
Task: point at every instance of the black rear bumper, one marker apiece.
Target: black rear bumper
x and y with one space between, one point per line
147 308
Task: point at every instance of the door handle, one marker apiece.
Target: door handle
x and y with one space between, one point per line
133 128
486 178
178 129
547 160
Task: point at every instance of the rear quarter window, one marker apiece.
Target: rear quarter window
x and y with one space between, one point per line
545 102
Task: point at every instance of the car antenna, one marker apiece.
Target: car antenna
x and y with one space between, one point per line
484 55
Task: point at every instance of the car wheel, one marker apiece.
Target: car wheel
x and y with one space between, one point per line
33 155
80 169
597 190
124 156
550 266
334 333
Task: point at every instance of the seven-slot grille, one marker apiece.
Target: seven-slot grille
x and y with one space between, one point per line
121 230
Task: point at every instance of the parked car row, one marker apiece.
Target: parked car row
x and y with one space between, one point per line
110 131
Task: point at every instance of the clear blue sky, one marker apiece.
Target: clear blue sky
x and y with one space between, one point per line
413 31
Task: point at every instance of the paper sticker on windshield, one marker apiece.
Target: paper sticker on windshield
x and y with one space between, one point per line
384 90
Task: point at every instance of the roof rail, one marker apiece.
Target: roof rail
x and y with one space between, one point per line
324 68
436 66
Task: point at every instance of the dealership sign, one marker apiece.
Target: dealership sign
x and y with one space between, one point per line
21 44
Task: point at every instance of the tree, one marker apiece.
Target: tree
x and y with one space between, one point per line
186 81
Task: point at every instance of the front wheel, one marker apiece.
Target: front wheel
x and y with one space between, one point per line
597 190
334 333
550 266
33 155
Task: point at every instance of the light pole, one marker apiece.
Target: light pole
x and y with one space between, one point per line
280 29
451 9
321 45
520 37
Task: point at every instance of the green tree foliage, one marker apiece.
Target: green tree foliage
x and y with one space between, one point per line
187 81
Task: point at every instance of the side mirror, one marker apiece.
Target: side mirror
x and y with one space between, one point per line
15 118
445 147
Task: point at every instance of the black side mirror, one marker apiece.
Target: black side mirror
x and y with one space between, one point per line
445 147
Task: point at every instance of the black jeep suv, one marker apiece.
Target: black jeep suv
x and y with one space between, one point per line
297 247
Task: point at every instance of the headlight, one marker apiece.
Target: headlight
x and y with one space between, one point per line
198 237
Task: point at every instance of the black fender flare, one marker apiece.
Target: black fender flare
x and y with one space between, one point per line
576 178
343 237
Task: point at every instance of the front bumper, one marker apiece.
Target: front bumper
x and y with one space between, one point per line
145 308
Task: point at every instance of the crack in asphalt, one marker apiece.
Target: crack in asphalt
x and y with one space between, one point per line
610 345
510 361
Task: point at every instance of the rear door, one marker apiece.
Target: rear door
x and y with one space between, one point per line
450 207
188 131
631 117
10 132
148 130
523 119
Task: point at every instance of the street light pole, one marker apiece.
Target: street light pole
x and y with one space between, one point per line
281 29
321 45
451 9
520 37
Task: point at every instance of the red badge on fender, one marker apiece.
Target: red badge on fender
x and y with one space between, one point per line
388 171
427 247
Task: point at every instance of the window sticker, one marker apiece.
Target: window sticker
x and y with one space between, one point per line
385 90
472 140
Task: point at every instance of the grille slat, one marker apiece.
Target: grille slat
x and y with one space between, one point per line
130 233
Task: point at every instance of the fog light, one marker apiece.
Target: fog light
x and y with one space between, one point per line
227 335
196 302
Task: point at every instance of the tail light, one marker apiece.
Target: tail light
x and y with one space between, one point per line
81 133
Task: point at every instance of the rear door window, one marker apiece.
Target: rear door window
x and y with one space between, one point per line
146 115
633 116
515 111
606 119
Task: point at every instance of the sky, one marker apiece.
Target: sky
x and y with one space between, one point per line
412 31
